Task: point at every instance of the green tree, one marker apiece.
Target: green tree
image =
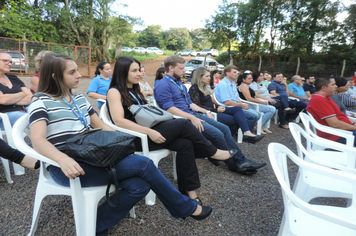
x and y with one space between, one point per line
221 29
199 39
177 39
151 36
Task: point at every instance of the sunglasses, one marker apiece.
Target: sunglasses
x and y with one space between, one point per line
6 61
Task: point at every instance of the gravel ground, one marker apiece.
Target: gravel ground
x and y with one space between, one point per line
243 205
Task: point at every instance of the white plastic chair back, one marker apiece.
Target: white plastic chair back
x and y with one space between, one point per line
155 156
302 218
7 131
311 126
84 200
308 185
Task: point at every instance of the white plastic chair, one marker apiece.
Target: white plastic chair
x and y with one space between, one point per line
18 169
155 156
311 125
84 200
302 218
239 132
308 184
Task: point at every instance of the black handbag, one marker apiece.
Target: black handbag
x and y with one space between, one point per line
102 149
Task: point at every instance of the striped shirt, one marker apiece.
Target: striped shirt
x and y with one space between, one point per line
62 123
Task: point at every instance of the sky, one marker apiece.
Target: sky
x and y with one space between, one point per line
176 14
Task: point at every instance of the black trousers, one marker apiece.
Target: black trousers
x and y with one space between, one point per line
184 138
9 153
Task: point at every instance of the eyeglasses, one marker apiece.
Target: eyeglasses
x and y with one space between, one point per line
6 61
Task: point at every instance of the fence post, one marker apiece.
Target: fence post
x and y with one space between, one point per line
297 72
259 66
343 68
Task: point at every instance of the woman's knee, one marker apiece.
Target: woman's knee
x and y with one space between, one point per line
136 187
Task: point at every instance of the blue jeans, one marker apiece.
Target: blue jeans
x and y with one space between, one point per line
252 117
13 117
136 175
268 112
298 105
220 136
235 118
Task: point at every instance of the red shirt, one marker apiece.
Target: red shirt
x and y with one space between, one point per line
321 108
354 77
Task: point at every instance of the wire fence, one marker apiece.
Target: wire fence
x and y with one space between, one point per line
26 50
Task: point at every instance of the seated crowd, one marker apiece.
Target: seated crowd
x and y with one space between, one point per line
197 134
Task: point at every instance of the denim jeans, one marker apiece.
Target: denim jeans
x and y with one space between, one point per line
298 105
13 117
136 175
268 112
235 118
220 135
252 117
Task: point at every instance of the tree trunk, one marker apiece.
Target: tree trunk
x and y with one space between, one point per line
72 25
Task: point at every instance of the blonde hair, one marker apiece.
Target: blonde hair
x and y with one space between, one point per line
198 73
39 57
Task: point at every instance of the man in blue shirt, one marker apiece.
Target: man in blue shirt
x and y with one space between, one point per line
279 87
172 95
226 93
296 89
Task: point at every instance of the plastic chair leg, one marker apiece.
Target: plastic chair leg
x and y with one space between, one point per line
36 211
7 170
18 169
174 156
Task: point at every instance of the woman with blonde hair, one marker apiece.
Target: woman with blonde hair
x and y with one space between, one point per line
230 116
36 78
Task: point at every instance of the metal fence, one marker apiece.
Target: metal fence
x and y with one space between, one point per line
27 50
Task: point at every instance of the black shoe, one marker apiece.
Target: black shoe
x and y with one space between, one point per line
205 212
213 161
252 172
252 139
37 165
231 165
248 165
292 110
216 162
196 200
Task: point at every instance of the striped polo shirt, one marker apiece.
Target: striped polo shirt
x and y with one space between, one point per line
62 123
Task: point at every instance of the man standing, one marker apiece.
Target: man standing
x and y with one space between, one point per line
279 88
296 89
172 95
226 92
308 86
326 112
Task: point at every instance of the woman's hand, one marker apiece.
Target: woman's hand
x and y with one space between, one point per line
221 109
156 136
272 101
70 167
210 115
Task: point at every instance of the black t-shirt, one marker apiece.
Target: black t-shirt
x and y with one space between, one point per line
17 84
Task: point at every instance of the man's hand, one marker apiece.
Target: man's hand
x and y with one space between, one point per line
221 109
210 115
244 106
198 123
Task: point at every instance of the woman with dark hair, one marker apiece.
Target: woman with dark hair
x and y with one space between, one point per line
233 117
53 119
99 85
159 74
280 103
177 134
249 94
14 96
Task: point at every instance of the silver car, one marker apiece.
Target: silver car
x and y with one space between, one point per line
18 61
211 64
188 53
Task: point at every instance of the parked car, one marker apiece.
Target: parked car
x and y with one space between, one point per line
232 52
211 64
18 61
154 50
140 49
188 53
126 49
188 69
212 52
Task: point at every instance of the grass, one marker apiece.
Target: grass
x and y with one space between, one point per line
138 56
